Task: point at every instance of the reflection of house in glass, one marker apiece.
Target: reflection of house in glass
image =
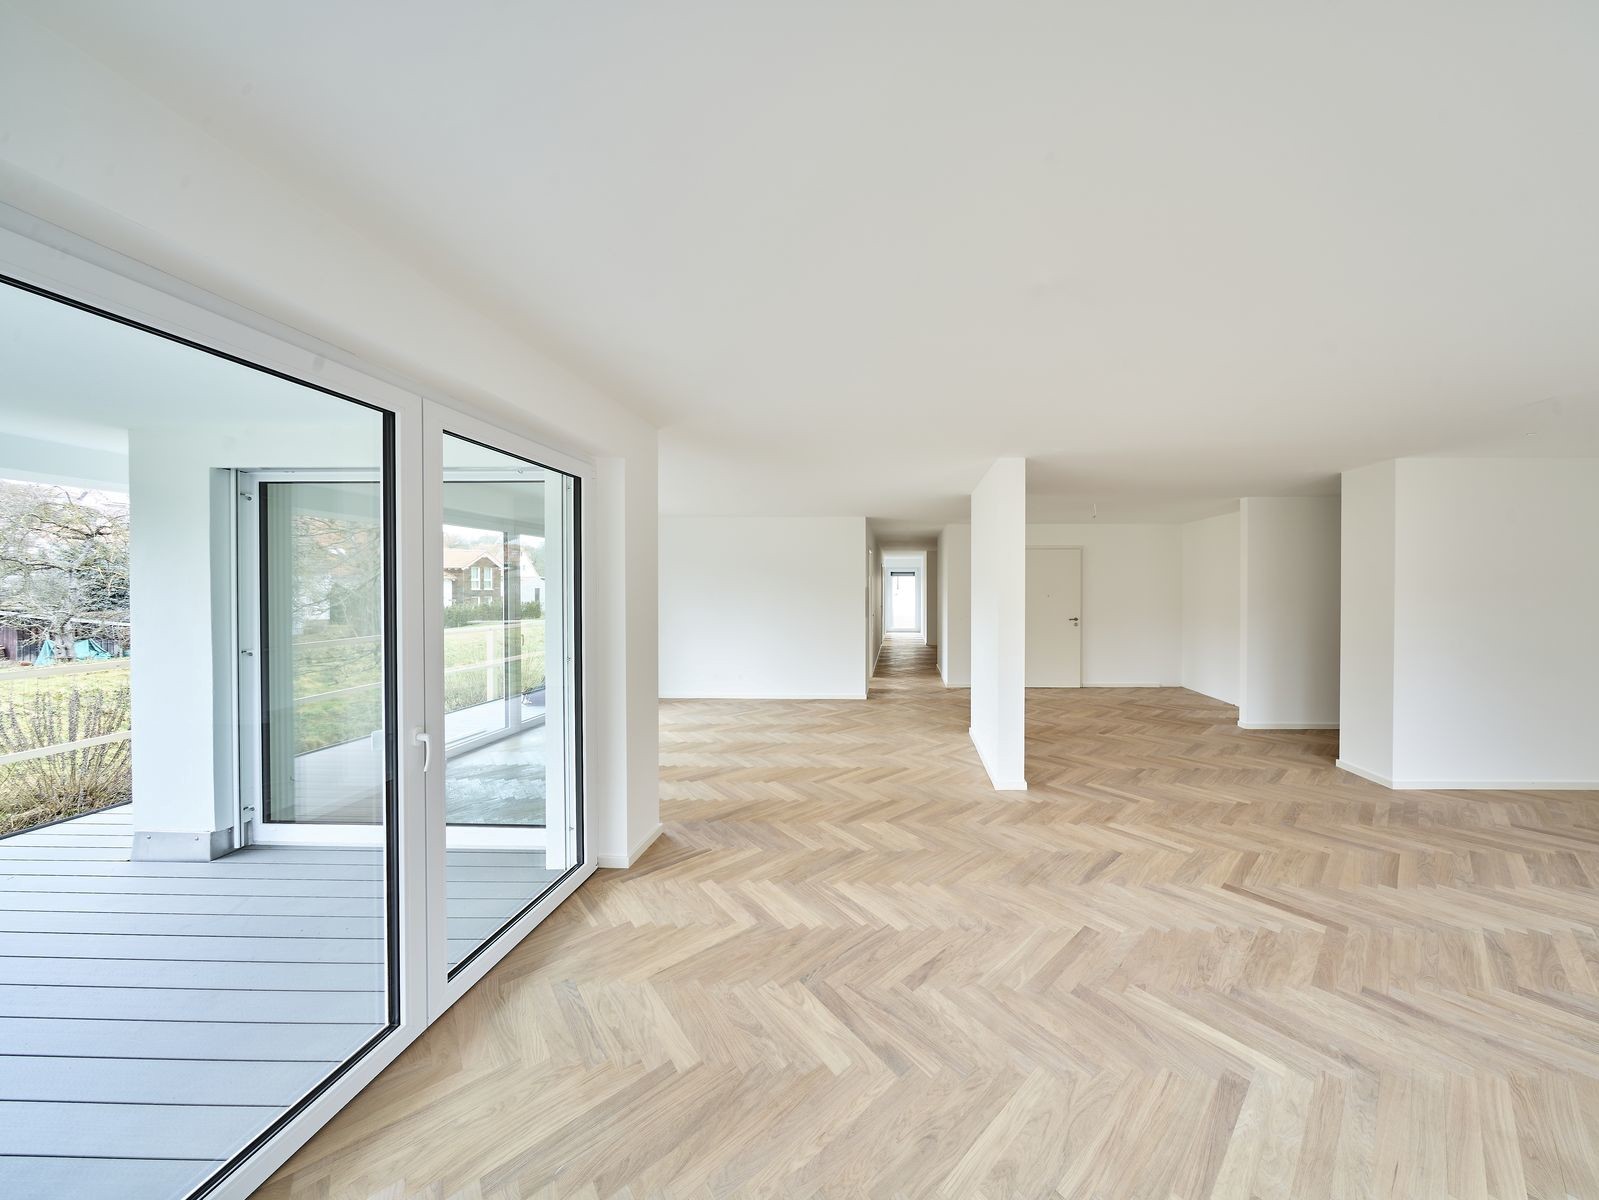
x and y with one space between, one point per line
476 575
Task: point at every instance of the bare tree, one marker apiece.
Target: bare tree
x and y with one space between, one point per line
63 559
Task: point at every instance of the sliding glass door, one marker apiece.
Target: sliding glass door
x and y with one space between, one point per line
505 782
200 566
311 563
290 728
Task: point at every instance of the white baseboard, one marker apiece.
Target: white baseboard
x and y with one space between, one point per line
1000 785
1288 724
1345 765
1472 785
618 862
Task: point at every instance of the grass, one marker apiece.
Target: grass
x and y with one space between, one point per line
336 685
19 685
338 699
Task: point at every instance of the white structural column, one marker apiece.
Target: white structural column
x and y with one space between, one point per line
1470 640
1288 628
181 521
1366 617
621 657
999 622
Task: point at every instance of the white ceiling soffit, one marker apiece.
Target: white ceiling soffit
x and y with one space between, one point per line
1171 253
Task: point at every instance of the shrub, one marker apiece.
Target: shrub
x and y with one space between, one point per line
70 782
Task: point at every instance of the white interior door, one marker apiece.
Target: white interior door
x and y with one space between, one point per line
1054 616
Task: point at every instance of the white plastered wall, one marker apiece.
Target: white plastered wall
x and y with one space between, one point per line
955 605
761 607
1210 607
1132 600
1288 660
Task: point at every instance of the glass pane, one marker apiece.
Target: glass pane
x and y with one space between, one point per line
322 650
193 583
902 614
510 826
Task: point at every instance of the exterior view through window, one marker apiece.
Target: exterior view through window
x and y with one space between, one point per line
509 536
902 614
196 654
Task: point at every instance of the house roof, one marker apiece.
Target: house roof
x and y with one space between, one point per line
459 558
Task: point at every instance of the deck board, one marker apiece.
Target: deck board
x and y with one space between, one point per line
154 1016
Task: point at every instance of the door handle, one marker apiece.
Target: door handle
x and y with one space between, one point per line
1073 620
425 740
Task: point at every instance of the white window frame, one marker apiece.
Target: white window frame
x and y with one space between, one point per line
77 270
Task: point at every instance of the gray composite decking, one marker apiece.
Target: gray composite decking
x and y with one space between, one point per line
155 1017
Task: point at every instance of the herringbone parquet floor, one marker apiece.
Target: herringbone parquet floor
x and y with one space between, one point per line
1191 961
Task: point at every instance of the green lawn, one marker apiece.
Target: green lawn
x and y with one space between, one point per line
338 697
19 685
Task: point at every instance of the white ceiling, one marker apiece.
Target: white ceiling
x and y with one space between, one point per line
847 253
72 386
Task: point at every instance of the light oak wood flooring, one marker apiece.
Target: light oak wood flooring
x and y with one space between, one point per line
1191 961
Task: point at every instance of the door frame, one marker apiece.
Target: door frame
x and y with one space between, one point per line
252 827
445 986
1082 557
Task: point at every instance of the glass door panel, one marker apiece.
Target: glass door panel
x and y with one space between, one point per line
509 791
321 651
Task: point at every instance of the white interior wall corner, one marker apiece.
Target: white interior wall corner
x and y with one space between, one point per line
1289 604
955 605
1210 606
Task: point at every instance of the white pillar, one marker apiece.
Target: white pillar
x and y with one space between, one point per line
622 658
1471 645
180 513
1288 629
999 622
1366 620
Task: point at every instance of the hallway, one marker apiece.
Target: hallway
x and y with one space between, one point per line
1191 960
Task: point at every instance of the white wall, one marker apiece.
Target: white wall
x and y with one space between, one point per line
955 605
1288 661
1496 628
1132 600
999 621
766 607
1366 621
83 148
1210 607
930 598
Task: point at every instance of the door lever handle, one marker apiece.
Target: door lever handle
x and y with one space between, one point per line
425 740
1073 620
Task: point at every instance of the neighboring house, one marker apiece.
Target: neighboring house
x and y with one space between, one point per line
475 575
